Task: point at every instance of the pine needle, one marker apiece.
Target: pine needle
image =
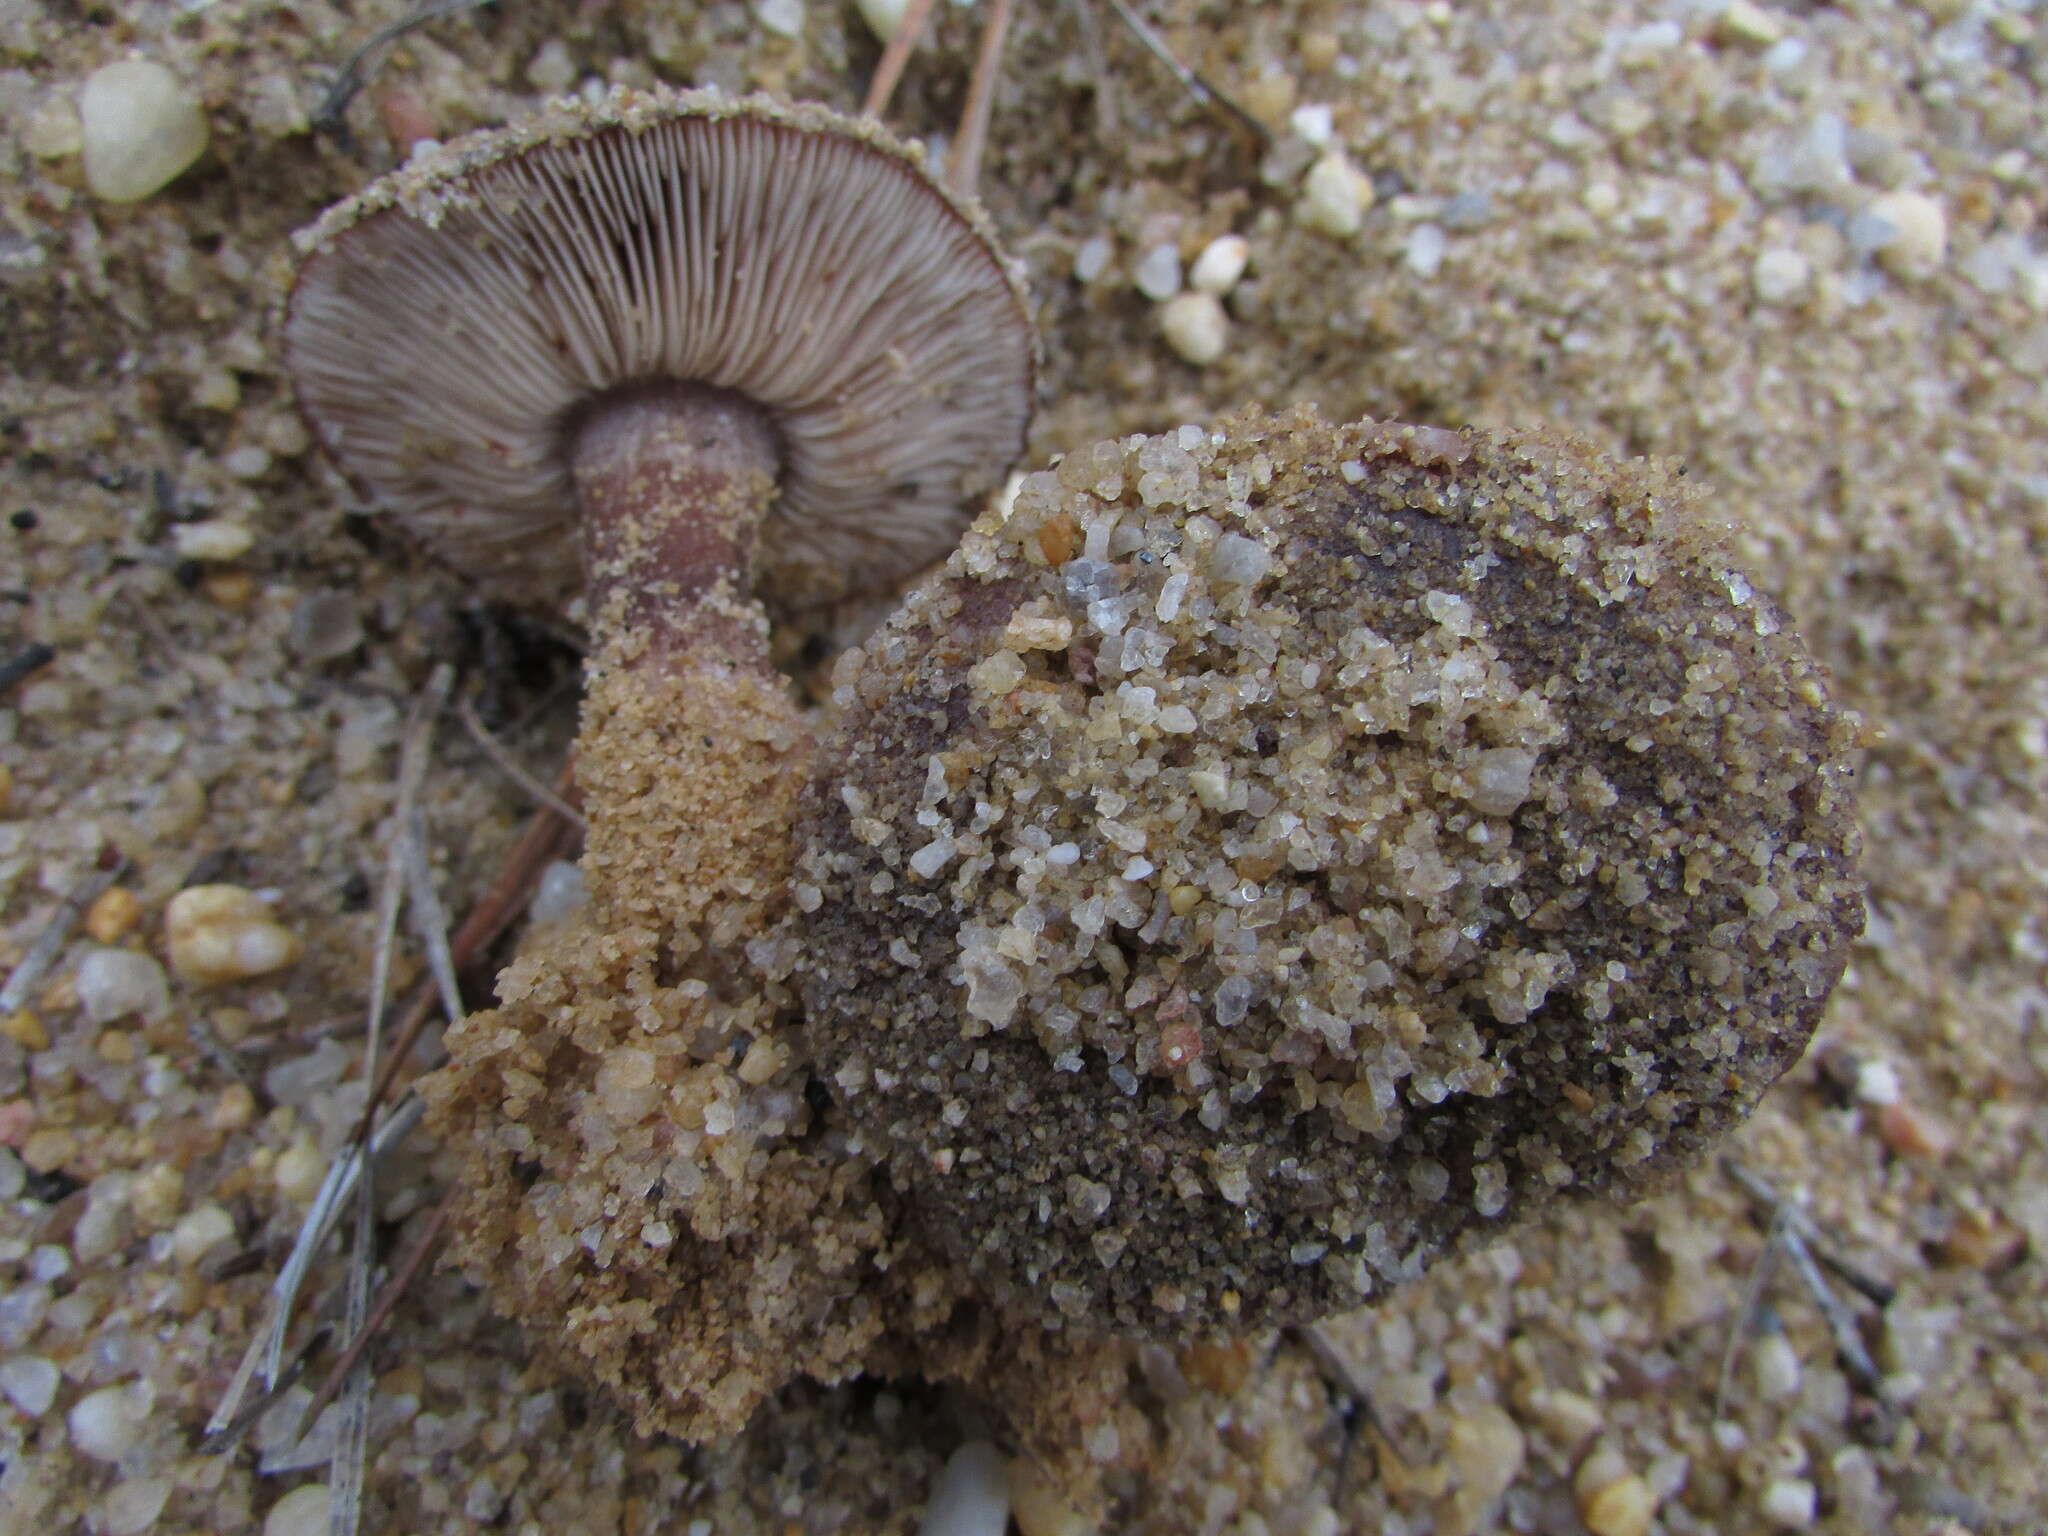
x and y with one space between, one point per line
356 71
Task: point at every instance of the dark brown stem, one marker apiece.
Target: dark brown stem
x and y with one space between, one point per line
673 480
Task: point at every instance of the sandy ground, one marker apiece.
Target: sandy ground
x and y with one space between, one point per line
1798 247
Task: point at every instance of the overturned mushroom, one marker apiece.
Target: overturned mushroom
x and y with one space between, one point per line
1272 855
665 352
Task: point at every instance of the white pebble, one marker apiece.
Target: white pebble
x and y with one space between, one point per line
1918 233
1748 26
215 540
1877 1082
114 983
219 933
1426 246
971 1496
1314 122
302 1512
1158 273
884 17
1092 259
1788 1503
1220 265
198 1231
30 1383
139 127
106 1424
785 18
1195 326
1777 1368
131 1507
1334 197
1779 275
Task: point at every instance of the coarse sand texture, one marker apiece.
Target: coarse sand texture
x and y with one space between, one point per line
1270 854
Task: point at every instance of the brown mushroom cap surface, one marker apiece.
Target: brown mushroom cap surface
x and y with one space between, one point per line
451 321
1272 854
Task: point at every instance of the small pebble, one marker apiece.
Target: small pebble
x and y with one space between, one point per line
785 18
1195 326
112 915
213 540
324 626
106 1424
30 1383
1777 1369
131 1507
198 1231
1914 1133
1092 258
117 983
1918 238
1039 1506
1779 275
220 933
1158 273
1220 265
1613 1501
1334 197
299 1171
155 1195
1314 122
884 17
26 1030
139 128
1788 1503
1748 26
1877 1082
302 1512
1426 248
971 1496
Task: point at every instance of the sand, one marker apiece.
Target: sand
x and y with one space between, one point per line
1793 248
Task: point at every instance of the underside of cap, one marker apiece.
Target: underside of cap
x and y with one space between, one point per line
450 320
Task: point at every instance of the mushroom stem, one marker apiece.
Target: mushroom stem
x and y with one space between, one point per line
691 748
674 480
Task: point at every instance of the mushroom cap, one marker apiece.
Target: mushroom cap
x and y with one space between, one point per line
1268 856
450 320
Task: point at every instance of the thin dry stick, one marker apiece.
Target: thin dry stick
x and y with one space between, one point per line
895 55
545 838
1824 1248
49 944
1856 1361
1191 80
1752 1299
963 165
356 72
387 1300
504 762
408 851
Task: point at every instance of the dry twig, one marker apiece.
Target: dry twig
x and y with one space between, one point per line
356 70
895 55
49 944
506 764
1191 80
963 165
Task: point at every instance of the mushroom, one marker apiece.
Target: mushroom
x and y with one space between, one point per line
643 360
1271 856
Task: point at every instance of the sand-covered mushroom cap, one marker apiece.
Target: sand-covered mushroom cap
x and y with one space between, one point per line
450 322
1271 854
